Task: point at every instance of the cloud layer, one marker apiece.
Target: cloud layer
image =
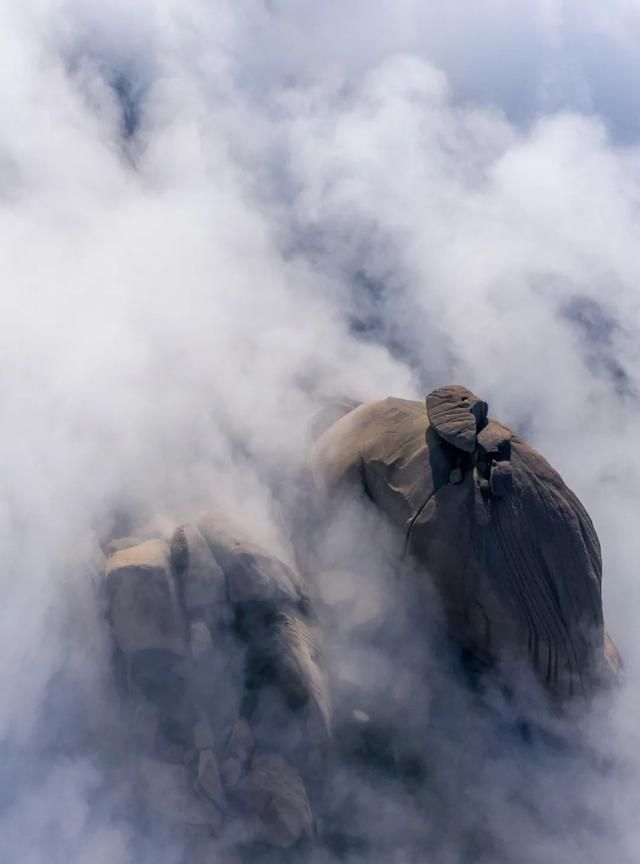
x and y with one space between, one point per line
213 215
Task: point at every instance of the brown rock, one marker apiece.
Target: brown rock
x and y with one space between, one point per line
237 753
494 441
500 479
329 414
510 549
144 610
122 543
275 797
252 574
201 577
456 414
295 655
383 447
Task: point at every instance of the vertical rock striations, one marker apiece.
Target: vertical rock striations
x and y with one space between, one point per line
511 550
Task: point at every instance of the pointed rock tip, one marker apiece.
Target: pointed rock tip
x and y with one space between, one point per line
456 415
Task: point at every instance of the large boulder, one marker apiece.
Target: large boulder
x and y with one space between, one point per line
272 611
167 790
252 573
276 801
511 550
211 630
144 608
201 578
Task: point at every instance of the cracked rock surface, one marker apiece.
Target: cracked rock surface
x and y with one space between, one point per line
213 637
511 550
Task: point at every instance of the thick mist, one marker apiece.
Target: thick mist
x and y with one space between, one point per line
213 216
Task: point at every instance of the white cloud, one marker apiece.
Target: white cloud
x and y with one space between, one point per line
311 198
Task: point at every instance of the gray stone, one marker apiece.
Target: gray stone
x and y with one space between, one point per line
209 777
495 441
252 574
383 447
240 744
143 606
501 479
455 475
201 644
167 790
330 413
237 753
276 800
294 652
456 414
145 724
533 564
202 579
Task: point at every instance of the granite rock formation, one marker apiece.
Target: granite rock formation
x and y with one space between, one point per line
218 656
510 549
217 643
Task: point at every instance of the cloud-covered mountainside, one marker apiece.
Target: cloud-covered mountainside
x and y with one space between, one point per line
214 217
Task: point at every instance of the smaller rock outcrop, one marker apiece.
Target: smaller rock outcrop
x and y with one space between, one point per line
207 625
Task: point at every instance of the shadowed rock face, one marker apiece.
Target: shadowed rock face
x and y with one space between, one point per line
228 706
511 550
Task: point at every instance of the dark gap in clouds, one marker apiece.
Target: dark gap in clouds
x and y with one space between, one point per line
372 316
126 79
612 89
597 329
368 298
378 304
130 101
